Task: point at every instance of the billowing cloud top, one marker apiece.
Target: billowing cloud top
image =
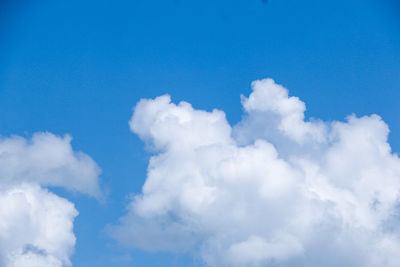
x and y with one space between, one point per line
274 190
36 226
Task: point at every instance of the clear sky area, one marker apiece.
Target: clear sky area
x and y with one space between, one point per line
79 68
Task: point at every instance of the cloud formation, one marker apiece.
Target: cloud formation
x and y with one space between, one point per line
47 160
36 226
274 190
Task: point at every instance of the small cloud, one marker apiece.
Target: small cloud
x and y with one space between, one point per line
37 225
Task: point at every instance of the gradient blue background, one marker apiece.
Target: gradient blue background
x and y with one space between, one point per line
79 67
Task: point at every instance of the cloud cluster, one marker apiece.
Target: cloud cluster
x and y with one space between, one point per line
36 226
273 190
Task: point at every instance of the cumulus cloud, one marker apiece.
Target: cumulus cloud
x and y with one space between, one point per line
47 160
36 226
273 190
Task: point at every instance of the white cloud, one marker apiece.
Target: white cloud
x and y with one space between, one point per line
36 226
47 160
274 190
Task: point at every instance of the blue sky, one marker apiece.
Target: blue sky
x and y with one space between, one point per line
79 67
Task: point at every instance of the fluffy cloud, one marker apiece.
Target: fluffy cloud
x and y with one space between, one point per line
274 190
47 160
36 226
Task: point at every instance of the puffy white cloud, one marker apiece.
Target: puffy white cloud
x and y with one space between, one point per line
47 160
274 190
36 226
